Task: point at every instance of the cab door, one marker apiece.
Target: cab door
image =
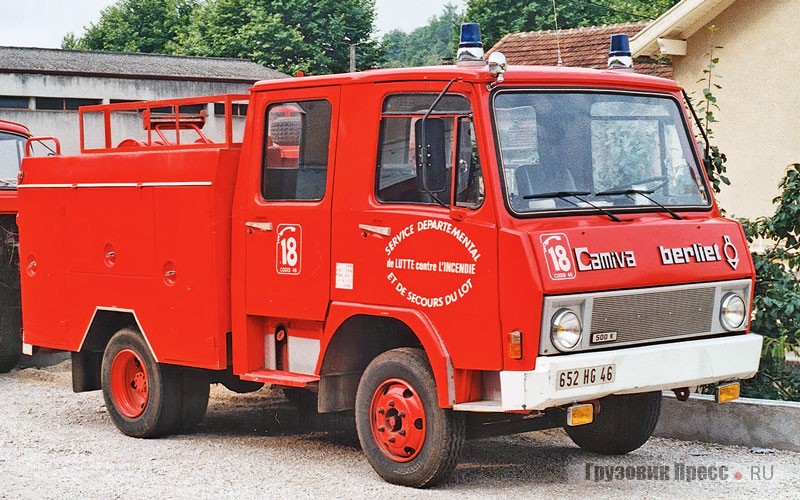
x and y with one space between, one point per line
414 243
288 213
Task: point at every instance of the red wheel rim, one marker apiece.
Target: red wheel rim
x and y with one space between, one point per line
397 419
129 384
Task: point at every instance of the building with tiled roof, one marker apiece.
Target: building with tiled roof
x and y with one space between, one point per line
757 70
580 47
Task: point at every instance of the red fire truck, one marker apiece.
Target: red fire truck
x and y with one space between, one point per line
12 149
444 251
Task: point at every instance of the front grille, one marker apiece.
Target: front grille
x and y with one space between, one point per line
654 315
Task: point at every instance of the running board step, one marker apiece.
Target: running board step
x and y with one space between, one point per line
279 377
480 406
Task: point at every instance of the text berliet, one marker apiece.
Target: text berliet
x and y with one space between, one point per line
687 255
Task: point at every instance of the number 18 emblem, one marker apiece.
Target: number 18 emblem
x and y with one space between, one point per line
558 255
288 249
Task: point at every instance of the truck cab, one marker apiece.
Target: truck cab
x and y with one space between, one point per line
440 252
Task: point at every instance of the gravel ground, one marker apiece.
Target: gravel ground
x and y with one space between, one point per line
57 444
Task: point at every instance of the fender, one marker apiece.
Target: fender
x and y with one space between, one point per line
419 323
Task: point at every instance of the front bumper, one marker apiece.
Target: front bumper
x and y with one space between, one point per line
638 369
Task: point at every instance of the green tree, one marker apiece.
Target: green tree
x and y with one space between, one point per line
136 26
776 303
427 45
313 36
501 17
72 42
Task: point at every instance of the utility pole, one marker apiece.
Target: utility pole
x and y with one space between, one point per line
352 58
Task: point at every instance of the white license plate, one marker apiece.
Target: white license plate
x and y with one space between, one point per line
580 377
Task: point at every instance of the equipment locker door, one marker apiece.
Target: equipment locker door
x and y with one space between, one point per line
287 243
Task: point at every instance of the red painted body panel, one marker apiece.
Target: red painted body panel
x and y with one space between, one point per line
155 213
14 128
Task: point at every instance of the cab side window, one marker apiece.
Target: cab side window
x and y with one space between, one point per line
398 175
295 162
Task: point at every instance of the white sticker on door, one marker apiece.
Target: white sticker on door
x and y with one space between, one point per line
289 249
344 276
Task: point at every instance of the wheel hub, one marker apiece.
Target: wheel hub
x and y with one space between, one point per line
398 420
129 384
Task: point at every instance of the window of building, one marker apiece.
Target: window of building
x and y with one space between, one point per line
13 102
238 109
63 103
295 163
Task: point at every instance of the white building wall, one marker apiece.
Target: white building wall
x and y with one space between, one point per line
758 116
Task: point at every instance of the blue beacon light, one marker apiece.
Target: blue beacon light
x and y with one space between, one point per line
619 54
470 48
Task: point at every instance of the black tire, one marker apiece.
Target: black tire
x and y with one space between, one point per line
396 394
10 345
239 386
194 399
152 407
624 424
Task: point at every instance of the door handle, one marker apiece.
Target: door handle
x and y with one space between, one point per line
261 226
382 230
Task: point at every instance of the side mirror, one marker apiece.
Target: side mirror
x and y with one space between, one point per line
497 66
431 157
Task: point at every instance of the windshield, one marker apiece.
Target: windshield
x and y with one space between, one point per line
12 149
581 150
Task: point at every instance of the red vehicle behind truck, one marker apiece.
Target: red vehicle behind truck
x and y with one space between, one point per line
442 251
12 149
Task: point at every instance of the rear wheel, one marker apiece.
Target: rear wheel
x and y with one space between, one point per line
407 438
624 424
147 399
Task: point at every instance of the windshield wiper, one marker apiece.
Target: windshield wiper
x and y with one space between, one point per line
642 192
565 195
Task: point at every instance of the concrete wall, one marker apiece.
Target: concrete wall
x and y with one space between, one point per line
758 120
744 422
64 124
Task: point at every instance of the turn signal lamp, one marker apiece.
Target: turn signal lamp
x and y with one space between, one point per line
580 414
727 392
619 55
515 344
470 48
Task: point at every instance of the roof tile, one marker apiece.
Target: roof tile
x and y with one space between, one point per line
127 65
580 47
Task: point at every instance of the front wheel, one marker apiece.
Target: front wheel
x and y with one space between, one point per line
624 424
407 438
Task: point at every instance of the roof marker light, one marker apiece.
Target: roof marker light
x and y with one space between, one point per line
619 55
470 48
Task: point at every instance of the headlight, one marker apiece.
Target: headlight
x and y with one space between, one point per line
566 330
732 311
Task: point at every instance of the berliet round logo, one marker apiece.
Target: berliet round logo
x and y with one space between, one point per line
699 253
731 252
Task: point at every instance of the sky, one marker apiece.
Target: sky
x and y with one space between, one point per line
43 23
